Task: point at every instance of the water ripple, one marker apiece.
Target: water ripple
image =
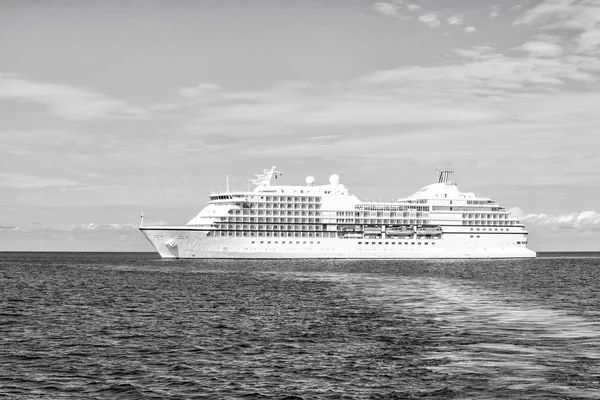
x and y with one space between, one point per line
107 326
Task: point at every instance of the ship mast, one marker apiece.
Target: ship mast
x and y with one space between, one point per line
264 179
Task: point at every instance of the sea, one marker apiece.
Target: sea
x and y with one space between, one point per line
133 326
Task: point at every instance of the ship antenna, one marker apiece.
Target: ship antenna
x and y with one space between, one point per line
142 219
264 179
227 182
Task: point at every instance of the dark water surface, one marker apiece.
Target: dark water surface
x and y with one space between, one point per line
114 325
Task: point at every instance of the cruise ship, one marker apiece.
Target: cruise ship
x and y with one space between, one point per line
326 221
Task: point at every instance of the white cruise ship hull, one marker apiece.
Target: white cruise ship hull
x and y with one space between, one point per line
183 242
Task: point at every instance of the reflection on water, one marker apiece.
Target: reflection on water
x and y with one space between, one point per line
506 340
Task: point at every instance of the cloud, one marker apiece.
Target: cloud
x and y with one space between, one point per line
474 52
456 20
589 42
469 29
585 220
494 12
413 7
582 16
8 228
430 20
567 14
541 49
23 181
490 71
386 8
199 91
65 101
89 227
483 88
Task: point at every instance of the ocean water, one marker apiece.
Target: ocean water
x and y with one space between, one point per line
122 325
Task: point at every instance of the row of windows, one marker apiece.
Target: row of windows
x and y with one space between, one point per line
293 199
284 242
296 227
467 208
390 207
381 214
484 222
331 235
481 202
301 210
360 243
221 197
287 218
383 221
492 229
485 216
241 223
399 243
273 212
277 206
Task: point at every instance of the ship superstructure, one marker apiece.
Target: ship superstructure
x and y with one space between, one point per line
326 221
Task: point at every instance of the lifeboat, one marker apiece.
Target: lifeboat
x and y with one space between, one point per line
398 232
372 230
429 230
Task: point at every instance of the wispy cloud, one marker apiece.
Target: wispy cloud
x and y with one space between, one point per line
494 12
199 91
22 181
431 20
469 29
582 16
65 101
541 49
474 52
456 20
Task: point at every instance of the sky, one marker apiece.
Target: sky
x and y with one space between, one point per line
109 108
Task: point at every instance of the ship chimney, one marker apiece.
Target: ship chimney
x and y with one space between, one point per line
446 177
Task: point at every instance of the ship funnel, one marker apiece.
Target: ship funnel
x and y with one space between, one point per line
445 177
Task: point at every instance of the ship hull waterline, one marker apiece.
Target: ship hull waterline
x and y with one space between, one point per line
180 243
